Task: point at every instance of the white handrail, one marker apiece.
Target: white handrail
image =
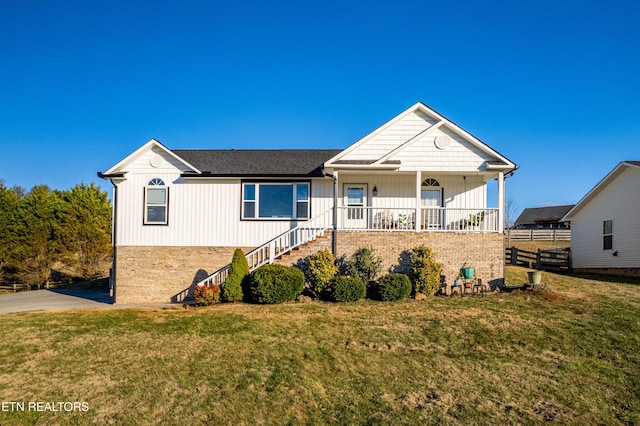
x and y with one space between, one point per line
278 246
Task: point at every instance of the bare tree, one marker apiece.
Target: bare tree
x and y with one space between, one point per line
510 216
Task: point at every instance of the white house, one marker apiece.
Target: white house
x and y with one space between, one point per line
605 227
418 179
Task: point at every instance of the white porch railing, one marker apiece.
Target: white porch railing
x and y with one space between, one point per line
278 246
431 219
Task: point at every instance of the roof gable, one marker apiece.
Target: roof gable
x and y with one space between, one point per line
418 129
151 146
600 186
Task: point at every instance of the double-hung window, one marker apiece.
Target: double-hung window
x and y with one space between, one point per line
156 203
607 235
275 200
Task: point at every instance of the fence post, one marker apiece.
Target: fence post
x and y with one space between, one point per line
538 260
569 260
514 255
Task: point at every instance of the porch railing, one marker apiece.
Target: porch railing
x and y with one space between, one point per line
432 219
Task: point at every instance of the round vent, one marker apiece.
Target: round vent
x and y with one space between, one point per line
442 141
156 161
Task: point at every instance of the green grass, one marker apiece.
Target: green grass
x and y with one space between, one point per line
570 354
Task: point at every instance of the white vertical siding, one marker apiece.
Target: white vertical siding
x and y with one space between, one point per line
201 212
618 201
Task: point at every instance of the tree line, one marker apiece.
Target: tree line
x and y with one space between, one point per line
43 228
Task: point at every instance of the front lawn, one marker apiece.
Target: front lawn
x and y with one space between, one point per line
570 355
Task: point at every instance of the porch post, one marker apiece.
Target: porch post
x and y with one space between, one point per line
418 206
334 235
500 202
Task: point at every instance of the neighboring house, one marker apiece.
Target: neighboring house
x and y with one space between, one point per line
544 218
418 179
605 230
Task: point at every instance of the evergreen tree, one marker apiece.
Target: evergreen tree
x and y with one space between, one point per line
34 231
85 229
232 291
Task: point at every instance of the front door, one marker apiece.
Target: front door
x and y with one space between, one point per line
355 214
431 208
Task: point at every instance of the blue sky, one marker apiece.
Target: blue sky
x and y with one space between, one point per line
554 86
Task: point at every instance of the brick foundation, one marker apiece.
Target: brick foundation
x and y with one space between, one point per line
483 251
625 272
161 274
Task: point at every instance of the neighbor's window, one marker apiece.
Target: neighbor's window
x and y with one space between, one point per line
156 203
607 235
275 200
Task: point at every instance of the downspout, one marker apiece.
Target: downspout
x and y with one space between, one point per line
114 236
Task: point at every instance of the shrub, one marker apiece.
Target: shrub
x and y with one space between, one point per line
363 264
232 290
319 269
394 287
275 284
345 289
425 271
207 294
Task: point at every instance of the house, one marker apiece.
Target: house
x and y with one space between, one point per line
543 218
417 179
604 224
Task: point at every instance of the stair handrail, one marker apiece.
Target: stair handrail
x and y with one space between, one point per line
277 246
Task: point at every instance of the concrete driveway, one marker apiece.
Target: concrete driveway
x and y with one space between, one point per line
39 300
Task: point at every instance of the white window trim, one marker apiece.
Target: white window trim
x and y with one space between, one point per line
156 183
294 195
607 235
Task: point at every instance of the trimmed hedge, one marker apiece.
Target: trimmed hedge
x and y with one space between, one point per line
275 284
319 269
394 287
345 289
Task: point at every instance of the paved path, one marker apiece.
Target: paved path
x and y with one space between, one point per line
44 300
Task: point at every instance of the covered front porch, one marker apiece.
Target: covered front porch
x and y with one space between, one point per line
417 202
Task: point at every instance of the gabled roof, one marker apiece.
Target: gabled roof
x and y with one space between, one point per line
240 163
600 187
118 168
497 162
542 214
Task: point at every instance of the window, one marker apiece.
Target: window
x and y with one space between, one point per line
156 200
275 200
607 235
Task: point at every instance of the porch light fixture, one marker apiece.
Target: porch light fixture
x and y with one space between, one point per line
375 191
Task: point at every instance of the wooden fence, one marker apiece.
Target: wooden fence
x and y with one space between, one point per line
558 260
538 234
14 287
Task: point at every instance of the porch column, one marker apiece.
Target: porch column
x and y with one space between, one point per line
418 205
500 202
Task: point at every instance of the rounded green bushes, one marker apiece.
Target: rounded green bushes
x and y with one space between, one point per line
275 284
345 289
394 287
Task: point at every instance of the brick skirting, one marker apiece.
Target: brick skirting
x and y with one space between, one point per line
483 251
162 274
159 274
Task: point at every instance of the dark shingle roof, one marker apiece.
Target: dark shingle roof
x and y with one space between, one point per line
543 214
238 163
